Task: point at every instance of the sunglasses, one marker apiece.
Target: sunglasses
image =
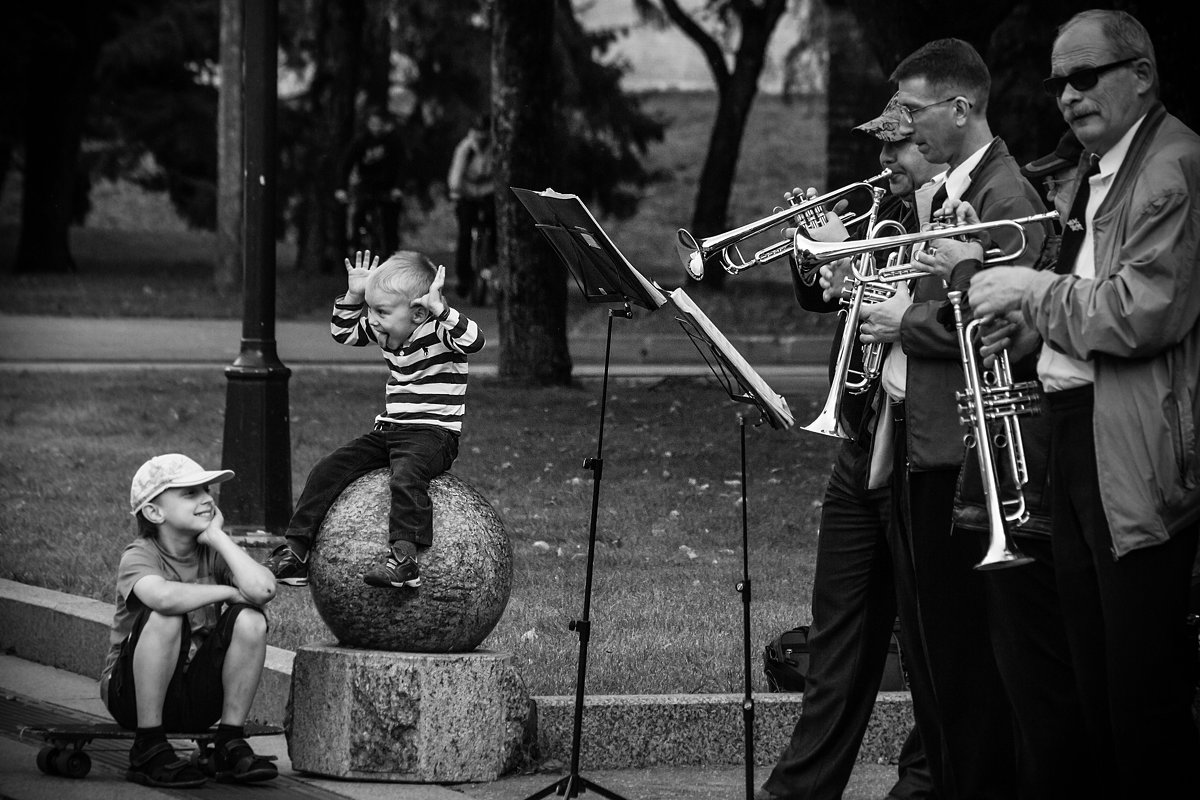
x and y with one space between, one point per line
1083 79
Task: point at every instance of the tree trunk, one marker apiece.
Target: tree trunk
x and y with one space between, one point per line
228 268
533 305
736 90
321 220
858 91
60 79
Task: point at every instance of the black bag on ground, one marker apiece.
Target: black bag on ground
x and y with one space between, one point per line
785 662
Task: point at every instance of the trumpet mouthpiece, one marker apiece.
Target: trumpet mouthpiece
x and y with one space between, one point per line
690 254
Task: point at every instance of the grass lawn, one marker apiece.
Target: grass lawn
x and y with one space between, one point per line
666 614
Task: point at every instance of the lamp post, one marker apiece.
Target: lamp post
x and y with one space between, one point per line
257 444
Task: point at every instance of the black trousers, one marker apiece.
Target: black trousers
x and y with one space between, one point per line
416 455
853 615
467 211
1029 639
1134 657
958 701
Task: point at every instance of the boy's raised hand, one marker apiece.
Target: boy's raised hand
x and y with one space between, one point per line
357 274
433 301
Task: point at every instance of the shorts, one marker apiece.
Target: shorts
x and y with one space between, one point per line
196 693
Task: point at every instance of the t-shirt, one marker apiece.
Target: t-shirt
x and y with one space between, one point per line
144 557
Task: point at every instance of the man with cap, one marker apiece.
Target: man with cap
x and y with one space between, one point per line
1120 322
189 637
853 593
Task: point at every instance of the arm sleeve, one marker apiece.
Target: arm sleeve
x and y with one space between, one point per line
1147 303
458 332
349 326
136 563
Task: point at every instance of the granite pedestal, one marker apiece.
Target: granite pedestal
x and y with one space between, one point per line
383 716
402 697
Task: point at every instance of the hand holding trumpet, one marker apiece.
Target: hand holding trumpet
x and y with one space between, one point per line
940 256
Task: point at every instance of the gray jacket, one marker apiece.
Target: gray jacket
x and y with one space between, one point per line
1138 321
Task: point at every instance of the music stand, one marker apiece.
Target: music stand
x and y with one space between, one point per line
603 275
743 385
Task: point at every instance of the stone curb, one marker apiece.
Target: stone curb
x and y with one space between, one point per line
619 731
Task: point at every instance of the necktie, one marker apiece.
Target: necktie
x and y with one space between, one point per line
939 199
1075 226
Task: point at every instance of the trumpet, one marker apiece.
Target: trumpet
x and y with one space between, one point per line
991 404
811 254
845 379
693 253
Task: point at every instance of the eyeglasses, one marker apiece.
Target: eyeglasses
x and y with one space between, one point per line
907 114
1082 79
1055 185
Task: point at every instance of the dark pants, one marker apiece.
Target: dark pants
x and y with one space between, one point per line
196 692
1125 618
853 616
469 212
416 455
958 701
1030 643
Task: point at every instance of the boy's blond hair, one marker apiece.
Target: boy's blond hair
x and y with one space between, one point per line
406 273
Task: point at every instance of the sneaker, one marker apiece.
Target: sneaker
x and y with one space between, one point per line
287 567
394 573
235 762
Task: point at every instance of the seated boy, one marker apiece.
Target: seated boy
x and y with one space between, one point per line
189 637
398 306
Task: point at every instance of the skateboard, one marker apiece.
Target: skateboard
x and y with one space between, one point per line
64 751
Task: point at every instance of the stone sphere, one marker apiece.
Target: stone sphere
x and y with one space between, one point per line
466 574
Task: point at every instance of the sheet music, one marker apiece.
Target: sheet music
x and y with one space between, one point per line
601 269
774 405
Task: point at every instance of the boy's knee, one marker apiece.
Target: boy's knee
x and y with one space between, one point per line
250 624
162 626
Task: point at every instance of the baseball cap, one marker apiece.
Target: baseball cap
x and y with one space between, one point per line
890 125
170 471
1065 155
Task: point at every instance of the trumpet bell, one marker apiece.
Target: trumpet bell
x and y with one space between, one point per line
1002 557
690 254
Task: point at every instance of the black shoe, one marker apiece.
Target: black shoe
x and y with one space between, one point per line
287 567
395 573
159 766
235 762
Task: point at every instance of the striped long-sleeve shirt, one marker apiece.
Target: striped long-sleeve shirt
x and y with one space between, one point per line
427 384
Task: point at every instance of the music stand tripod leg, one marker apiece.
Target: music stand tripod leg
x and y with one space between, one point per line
574 784
744 590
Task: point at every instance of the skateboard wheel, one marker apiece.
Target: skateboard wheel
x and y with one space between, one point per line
73 763
45 760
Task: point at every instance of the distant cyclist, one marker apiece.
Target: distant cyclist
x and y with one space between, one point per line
375 168
473 193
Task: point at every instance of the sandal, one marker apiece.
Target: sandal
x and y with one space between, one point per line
159 766
235 762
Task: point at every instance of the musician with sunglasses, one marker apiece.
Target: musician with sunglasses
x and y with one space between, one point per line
1121 367
853 592
958 698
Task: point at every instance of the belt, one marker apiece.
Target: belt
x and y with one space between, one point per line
897 407
388 426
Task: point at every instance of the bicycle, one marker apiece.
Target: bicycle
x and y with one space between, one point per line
367 228
486 271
